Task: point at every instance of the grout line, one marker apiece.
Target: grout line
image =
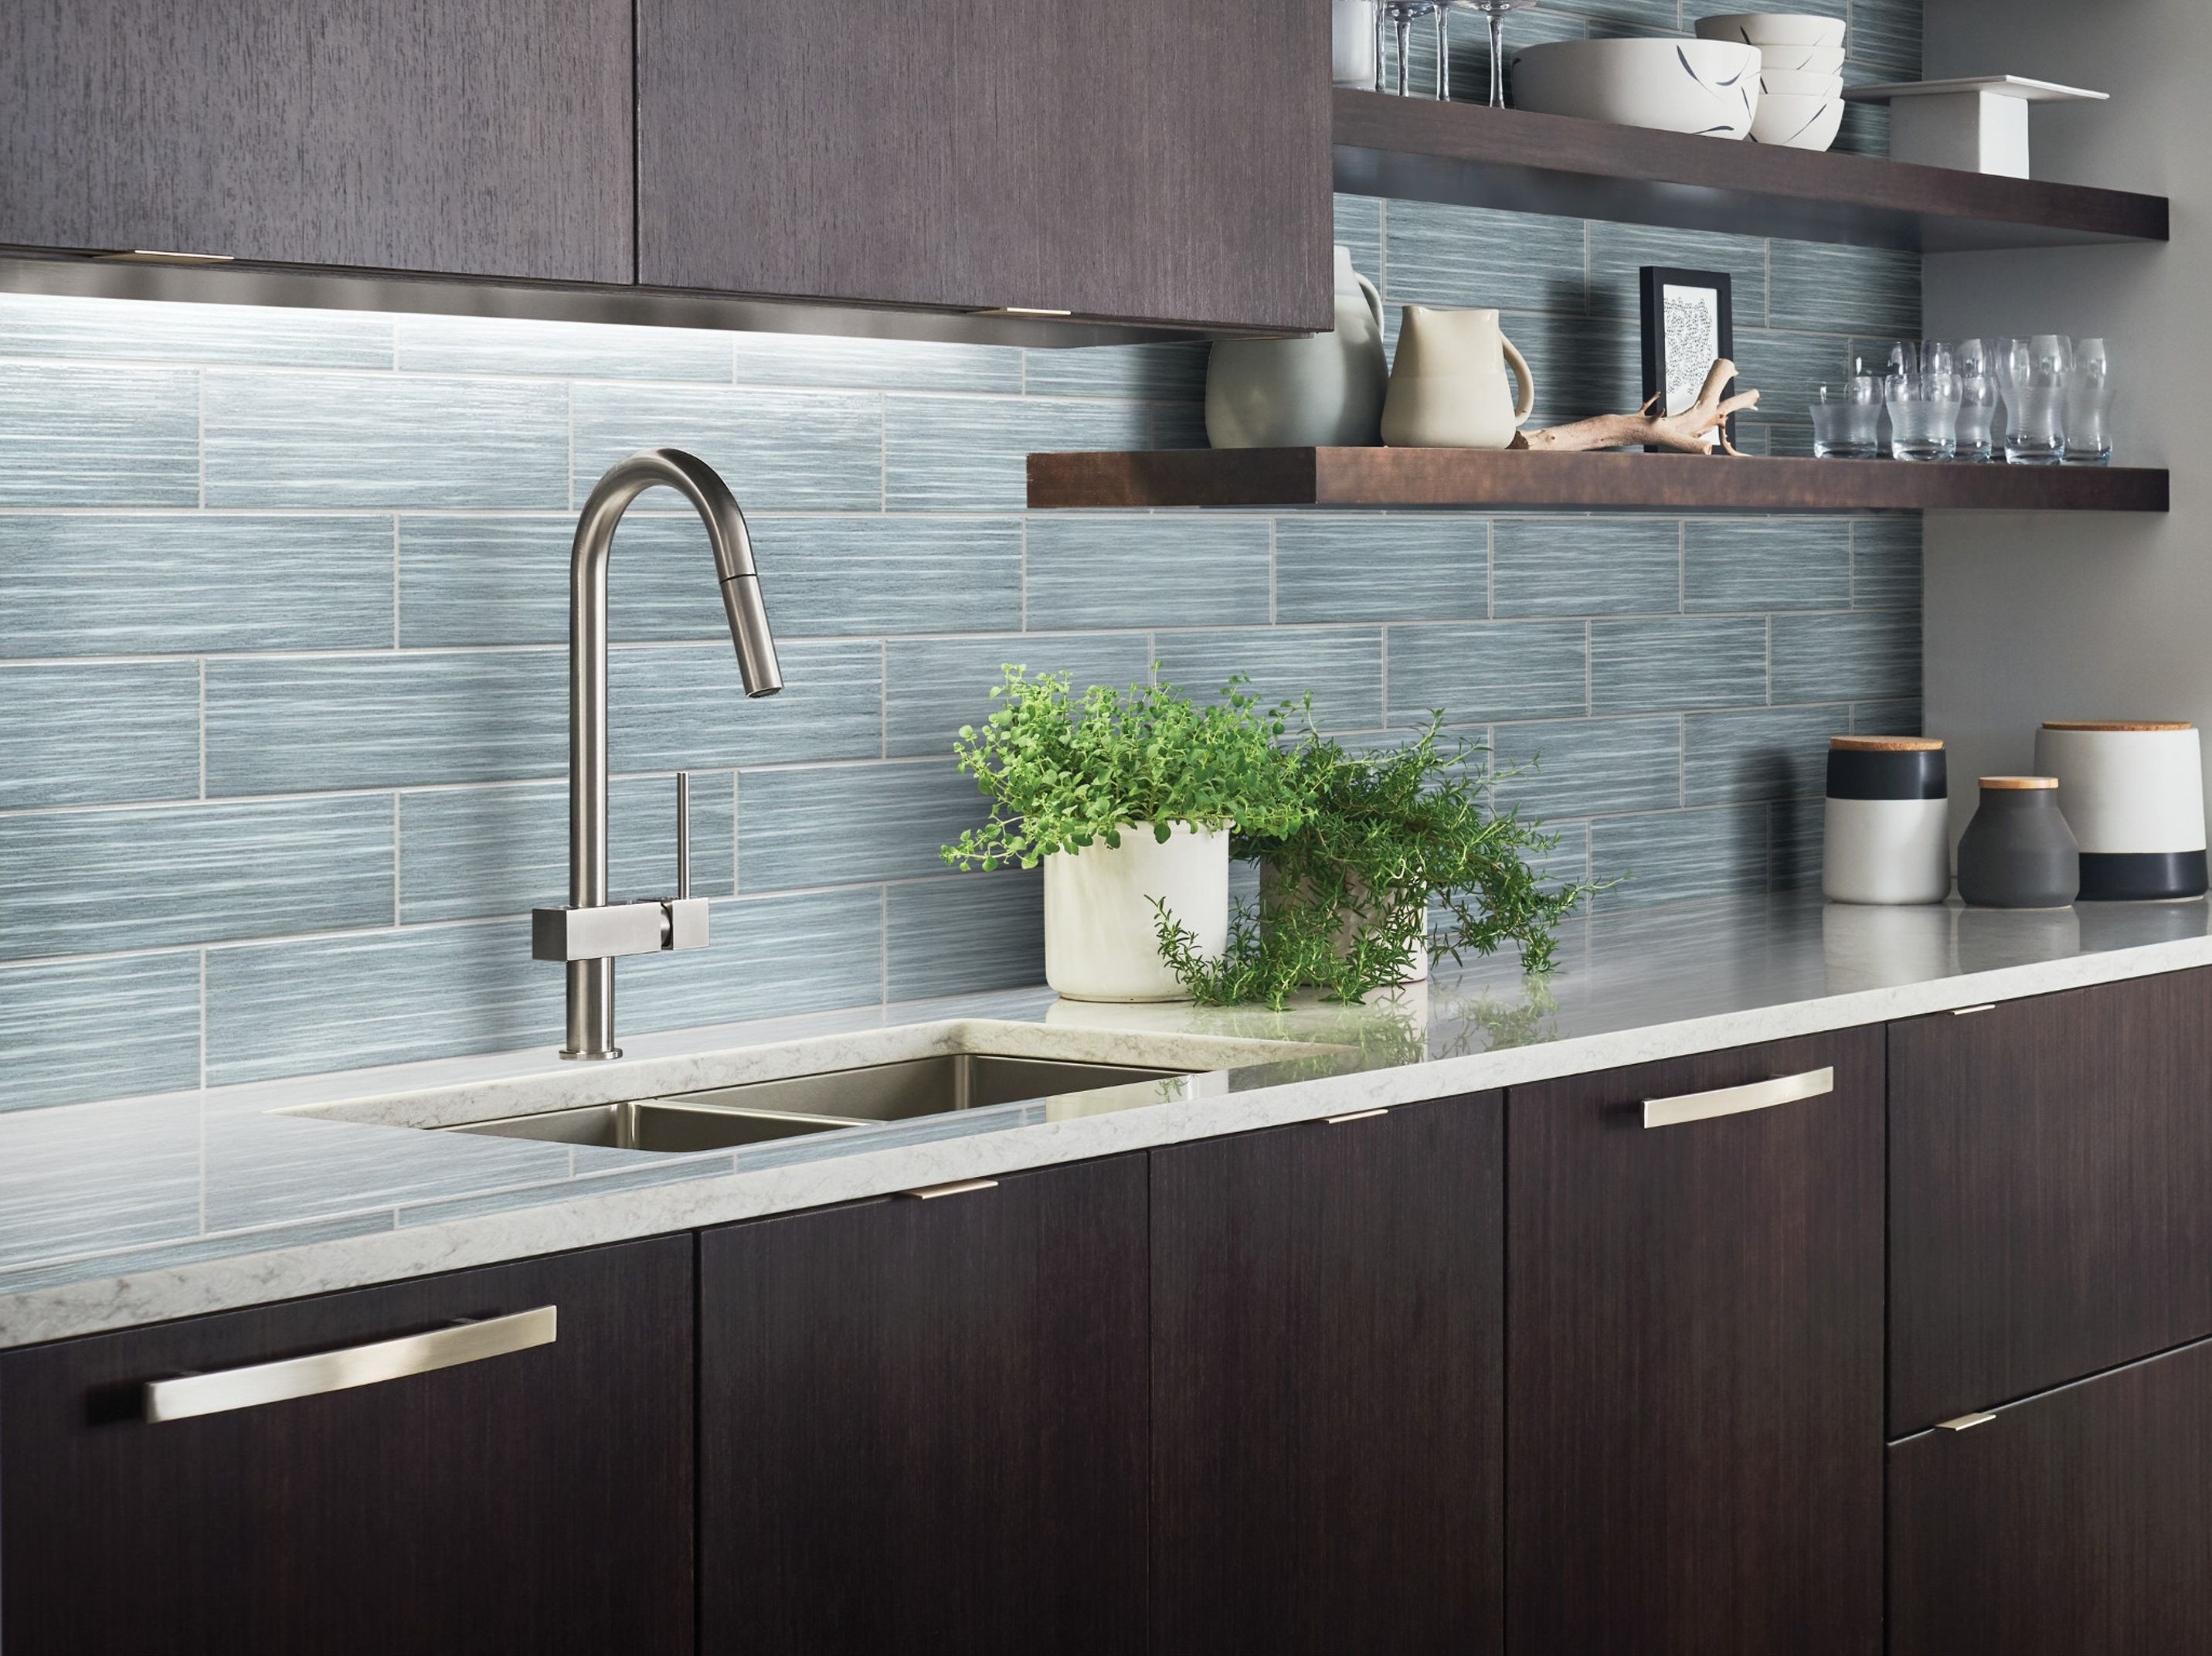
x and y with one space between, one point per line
203 724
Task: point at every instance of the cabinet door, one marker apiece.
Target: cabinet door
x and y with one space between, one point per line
1693 1360
2076 1523
1328 1387
1153 160
537 1500
922 1423
489 138
2049 1165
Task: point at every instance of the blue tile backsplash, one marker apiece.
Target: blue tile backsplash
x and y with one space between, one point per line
283 611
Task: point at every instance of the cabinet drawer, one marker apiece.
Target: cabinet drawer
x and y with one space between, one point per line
2078 1523
2049 1162
1693 1355
530 1494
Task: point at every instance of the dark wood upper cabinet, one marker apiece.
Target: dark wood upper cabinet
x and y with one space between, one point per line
2075 1524
1693 1361
1153 160
922 1423
486 138
1328 1387
538 1501
2049 1165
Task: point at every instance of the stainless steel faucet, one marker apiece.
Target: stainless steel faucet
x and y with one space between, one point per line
591 934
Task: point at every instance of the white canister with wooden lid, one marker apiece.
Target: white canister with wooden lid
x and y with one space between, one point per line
2133 793
1887 833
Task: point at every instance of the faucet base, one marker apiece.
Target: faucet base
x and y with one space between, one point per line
592 1058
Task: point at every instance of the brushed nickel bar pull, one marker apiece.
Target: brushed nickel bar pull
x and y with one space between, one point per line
1737 1100
188 1394
959 1187
1357 1115
1968 1012
1965 1422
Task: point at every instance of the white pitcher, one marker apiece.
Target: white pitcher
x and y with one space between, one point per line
1449 389
1322 392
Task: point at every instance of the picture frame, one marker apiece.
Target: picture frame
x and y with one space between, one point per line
1689 322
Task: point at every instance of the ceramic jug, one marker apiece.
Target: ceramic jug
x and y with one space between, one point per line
1322 392
1449 389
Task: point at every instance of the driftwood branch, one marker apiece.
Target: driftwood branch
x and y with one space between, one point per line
1695 430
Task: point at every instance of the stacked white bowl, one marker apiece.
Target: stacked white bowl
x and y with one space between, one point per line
1801 100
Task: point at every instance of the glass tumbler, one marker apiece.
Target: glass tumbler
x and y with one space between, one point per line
1977 399
1847 420
2089 405
2034 372
1924 415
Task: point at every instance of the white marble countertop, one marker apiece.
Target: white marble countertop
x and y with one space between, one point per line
143 1209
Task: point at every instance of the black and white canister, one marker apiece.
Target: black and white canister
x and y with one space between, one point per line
2134 795
1887 838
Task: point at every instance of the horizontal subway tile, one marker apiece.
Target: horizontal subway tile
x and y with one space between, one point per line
863 576
1767 563
685 708
843 825
48 324
1470 46
934 687
800 359
1796 831
1618 254
1091 570
1680 856
1898 718
965 934
780 451
1869 656
1179 425
1590 767
97 881
139 585
1357 566
1832 288
86 437
371 441
1581 367
470 852
99 735
99 1029
1359 227
583 350
1475 674
1587 566
1162 373
1767 753
1886 33
1886 563
770 955
1438 253
971 454
287 724
1784 368
296 1008
1341 667
1644 667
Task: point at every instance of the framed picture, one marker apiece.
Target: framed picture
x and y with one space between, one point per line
1689 322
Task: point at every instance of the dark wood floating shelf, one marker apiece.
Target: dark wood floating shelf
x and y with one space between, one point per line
1417 149
1411 478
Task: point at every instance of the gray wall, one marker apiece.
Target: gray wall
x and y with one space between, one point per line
283 605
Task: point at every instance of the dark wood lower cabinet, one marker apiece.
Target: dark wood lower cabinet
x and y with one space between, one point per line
538 1501
2078 1523
1693 1393
922 1424
1327 1378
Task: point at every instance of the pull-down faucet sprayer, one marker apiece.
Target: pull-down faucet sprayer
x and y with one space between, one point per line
591 933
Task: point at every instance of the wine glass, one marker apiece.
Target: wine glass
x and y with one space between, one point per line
1401 15
1495 11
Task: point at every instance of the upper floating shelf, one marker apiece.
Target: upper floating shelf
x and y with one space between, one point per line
1419 150
1409 477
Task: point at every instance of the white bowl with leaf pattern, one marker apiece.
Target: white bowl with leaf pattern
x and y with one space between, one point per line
1780 28
1707 87
1790 123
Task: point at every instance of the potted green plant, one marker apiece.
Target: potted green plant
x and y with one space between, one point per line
1348 888
1127 799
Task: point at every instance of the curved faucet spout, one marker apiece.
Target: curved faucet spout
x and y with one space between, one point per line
592 981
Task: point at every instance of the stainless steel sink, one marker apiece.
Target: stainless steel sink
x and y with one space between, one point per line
758 1112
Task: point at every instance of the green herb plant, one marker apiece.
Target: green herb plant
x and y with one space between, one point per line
1063 773
1348 884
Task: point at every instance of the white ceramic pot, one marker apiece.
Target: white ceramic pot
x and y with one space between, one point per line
1790 84
1322 392
1708 87
1801 60
1100 943
1790 123
2134 795
1352 40
1449 388
1761 28
1887 851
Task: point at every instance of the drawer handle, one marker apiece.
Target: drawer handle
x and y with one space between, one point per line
1737 1100
959 1187
188 1395
1357 1115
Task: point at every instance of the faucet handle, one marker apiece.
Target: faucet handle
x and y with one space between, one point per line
686 924
683 834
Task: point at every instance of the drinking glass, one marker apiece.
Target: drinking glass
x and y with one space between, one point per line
1354 36
2035 371
1923 414
1847 420
1977 398
1402 14
1495 11
2089 405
